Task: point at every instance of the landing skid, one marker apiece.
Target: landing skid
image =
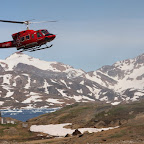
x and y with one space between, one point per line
35 48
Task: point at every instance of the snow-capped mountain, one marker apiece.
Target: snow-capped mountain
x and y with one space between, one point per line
27 82
124 77
11 62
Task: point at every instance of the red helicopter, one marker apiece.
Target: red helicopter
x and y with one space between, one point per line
29 40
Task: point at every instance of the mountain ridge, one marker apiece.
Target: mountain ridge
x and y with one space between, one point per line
28 82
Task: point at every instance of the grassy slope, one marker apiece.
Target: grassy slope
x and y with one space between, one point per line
12 132
130 117
78 114
90 114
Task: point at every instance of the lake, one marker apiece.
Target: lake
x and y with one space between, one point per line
26 114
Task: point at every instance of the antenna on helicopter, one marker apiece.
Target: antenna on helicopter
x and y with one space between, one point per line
25 22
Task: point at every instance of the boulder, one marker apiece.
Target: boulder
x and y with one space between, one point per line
76 132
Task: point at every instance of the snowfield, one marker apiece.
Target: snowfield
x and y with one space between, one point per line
60 131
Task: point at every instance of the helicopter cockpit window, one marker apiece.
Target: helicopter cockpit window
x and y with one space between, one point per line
44 32
38 34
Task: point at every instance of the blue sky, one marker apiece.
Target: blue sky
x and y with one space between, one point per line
90 34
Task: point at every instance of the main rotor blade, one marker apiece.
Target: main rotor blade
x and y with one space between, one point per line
12 21
43 21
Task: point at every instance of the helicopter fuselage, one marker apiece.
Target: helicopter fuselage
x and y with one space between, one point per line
28 39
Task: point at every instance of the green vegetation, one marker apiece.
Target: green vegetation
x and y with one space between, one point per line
8 125
119 134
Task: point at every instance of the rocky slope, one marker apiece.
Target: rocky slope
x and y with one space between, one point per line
27 82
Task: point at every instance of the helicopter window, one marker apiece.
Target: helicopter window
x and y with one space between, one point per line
48 34
27 37
38 34
22 39
44 32
32 36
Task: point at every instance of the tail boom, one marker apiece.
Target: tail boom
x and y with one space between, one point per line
8 44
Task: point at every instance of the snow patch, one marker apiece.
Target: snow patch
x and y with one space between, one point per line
82 82
54 101
27 86
62 92
105 98
59 130
9 93
65 83
138 94
45 86
1 102
80 91
6 78
115 103
33 97
82 98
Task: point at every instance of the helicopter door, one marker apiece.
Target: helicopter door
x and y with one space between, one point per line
39 35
